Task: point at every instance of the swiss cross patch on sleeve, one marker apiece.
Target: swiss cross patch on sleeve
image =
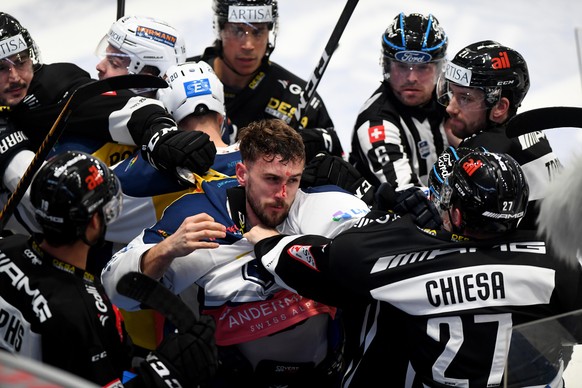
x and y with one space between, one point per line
376 133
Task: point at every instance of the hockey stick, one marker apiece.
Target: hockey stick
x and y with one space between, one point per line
77 97
153 295
309 91
544 118
120 9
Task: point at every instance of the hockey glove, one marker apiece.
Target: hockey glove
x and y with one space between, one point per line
318 140
326 169
410 201
183 359
174 150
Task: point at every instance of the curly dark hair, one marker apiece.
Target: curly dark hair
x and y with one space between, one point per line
269 139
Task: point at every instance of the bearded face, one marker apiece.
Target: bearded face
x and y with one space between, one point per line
271 187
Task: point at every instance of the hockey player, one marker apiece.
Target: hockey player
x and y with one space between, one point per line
482 88
56 312
255 87
34 94
133 45
438 303
399 132
195 99
266 335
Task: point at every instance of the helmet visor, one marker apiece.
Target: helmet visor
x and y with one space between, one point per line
20 62
465 98
113 207
115 57
259 32
413 64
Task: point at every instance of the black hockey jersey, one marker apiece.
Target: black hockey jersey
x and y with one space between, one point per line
274 93
439 301
121 116
58 314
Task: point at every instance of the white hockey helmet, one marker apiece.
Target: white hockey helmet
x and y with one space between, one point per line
193 88
146 41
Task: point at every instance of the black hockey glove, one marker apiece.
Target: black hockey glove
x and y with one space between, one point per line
410 201
327 169
318 140
183 359
173 150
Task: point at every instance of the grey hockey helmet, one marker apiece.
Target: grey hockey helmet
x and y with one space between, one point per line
15 39
247 12
193 88
414 39
145 41
498 70
490 189
68 189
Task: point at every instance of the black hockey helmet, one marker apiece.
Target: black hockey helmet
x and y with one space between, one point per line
442 168
490 189
66 192
413 38
498 70
16 39
248 12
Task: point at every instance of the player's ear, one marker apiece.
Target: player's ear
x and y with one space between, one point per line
500 110
456 217
94 227
241 173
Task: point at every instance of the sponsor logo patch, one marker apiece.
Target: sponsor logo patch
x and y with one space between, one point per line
197 87
303 254
12 45
413 57
158 36
250 14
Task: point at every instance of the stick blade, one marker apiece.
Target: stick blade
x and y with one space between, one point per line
153 295
544 118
